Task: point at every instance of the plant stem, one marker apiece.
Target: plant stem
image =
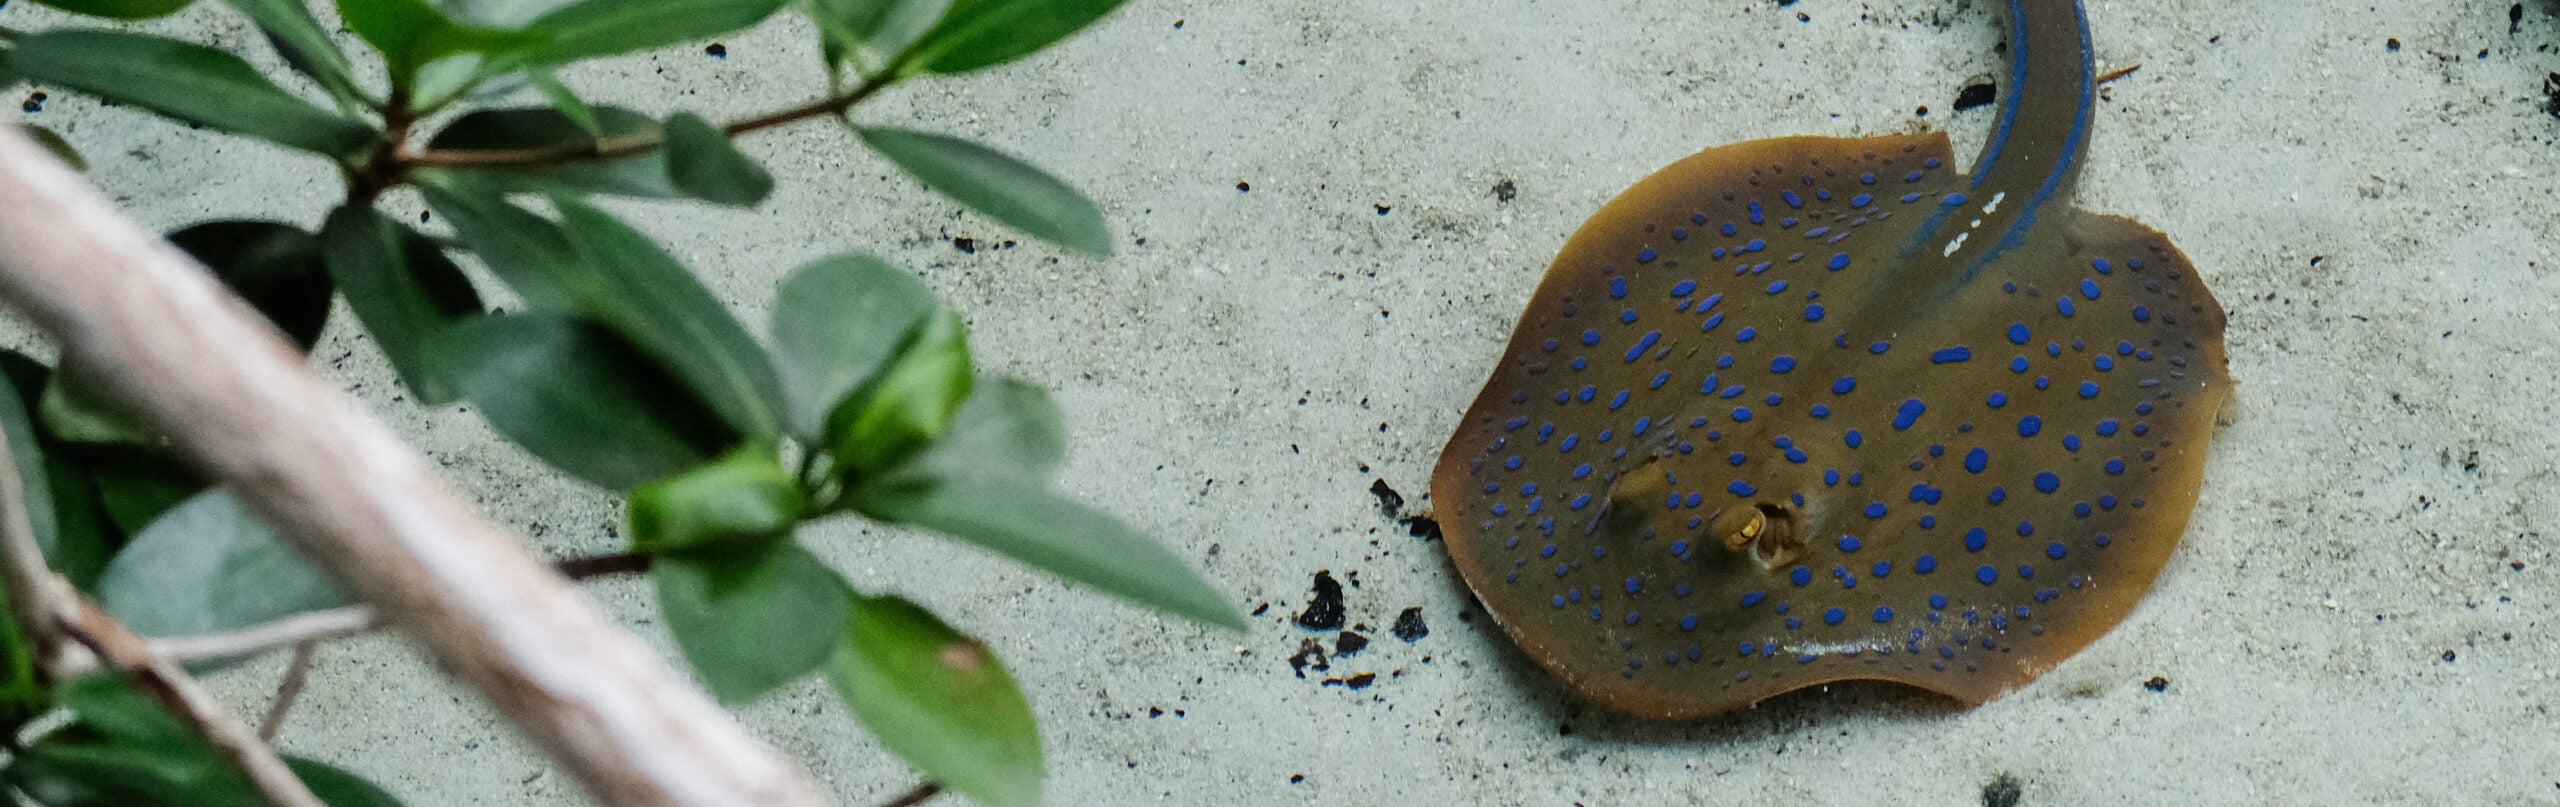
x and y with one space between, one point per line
919 795
619 147
289 690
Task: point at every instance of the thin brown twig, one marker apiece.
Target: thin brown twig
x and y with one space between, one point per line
594 566
921 794
189 702
2117 74
287 691
615 148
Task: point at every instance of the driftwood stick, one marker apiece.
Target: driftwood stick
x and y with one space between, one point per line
194 361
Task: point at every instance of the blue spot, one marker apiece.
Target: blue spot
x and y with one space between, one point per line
1756 244
2107 501
1840 260
1998 495
1748 648
1820 411
1660 379
1913 176
1884 613
1986 575
1644 255
1500 509
1633 584
2141 313
1740 488
2071 442
1782 364
2115 466
1746 334
2047 482
1776 286
1742 414
1643 344
1791 199
1713 321
2017 364
1512 462
2018 333
1588 392
1879 348
1908 413
1774 398
1682 288
1854 438
2103 267
2103 363
1925 493
1833 616
2026 528
2053 551
1953 199
1843 384
1627 317
1727 229
1738 458
1913 196
1882 568
1583 470
1801 576
2088 389
1997 399
1813 312
1797 455
1693 500
1951 355
1975 539
2063 304
1643 424
1754 207
1849 543
1874 510
1924 564
1618 400
1569 441
1618 287
1751 598
1591 337
2089 289
1830 476
2029 425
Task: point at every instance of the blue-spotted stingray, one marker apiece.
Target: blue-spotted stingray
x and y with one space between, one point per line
1810 409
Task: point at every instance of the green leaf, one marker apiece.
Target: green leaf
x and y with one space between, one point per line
1060 536
547 129
209 566
136 484
583 399
189 82
51 140
527 252
705 165
407 293
125 752
74 412
1005 189
337 787
305 45
119 9
568 104
986 482
1007 431
835 322
751 621
666 311
985 33
428 51
276 267
78 543
744 495
594 28
907 403
27 454
882 28
937 698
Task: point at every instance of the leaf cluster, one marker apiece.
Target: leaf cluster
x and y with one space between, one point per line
620 368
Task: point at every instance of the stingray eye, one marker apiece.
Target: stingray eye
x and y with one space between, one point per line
1766 532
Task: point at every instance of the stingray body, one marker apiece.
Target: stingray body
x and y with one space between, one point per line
1808 409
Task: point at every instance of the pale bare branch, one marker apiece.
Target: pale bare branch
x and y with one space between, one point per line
195 362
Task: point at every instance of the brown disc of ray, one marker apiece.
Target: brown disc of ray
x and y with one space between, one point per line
1756 432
